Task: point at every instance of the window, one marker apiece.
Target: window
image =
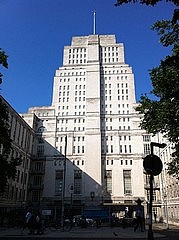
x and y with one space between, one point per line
127 182
146 138
40 150
111 148
108 181
125 148
120 148
58 182
37 180
147 149
77 181
35 195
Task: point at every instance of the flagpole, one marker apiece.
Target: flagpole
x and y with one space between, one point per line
94 22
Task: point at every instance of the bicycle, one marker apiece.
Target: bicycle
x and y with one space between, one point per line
56 225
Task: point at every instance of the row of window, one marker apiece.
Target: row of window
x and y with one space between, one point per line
66 99
111 120
119 85
67 87
122 149
119 105
109 54
108 49
80 73
120 128
108 128
110 60
78 139
114 71
105 149
127 183
118 92
119 97
77 50
77 182
19 133
74 56
75 129
21 177
76 61
107 138
103 109
72 73
125 138
78 149
67 107
68 79
14 193
123 162
113 78
76 114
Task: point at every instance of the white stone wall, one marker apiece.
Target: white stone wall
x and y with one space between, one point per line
93 104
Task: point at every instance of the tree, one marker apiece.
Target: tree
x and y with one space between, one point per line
161 111
146 2
3 61
7 164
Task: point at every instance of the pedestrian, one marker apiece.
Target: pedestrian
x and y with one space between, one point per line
98 222
155 217
32 224
38 224
139 215
28 215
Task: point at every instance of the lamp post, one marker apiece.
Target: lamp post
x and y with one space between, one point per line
166 209
153 166
63 187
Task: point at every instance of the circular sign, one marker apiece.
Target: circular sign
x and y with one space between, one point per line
152 165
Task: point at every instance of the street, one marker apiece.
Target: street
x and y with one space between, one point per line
94 233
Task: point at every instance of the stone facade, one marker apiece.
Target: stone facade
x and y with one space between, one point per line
93 104
23 137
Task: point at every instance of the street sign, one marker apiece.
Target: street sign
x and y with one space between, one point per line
152 165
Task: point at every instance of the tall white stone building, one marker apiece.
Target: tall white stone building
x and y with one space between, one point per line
93 106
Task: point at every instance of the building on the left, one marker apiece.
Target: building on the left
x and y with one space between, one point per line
15 197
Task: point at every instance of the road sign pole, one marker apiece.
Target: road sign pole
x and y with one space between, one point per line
152 169
150 231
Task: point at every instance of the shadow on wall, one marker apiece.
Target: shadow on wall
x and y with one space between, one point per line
51 170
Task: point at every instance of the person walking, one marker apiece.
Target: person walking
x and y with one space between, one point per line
38 224
139 216
155 217
28 215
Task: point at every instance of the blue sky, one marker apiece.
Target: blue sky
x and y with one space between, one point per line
34 32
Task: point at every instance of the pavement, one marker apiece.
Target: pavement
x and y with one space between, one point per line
90 232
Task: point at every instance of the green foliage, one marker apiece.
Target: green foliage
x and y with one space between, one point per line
162 114
146 2
3 62
7 163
